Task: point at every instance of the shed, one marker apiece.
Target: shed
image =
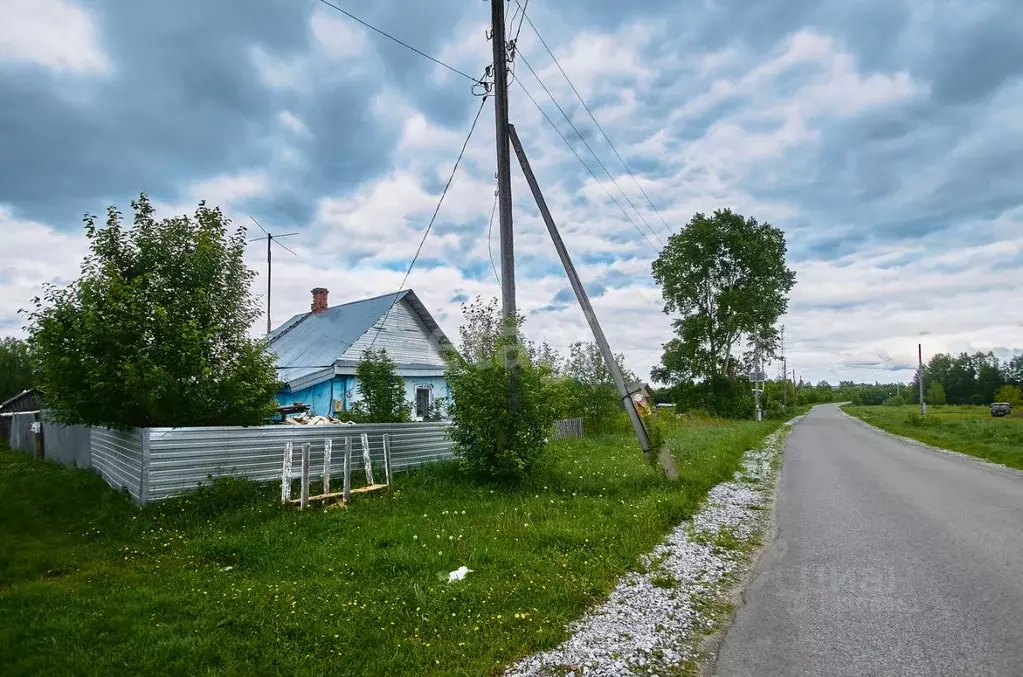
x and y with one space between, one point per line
26 402
318 351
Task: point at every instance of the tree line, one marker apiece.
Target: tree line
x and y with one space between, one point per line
970 378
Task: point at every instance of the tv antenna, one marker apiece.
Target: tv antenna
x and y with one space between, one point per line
270 239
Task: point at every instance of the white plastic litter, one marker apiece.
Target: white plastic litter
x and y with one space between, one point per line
458 574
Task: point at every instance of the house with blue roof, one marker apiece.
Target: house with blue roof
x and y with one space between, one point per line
317 352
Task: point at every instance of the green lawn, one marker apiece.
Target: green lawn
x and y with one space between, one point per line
227 581
967 429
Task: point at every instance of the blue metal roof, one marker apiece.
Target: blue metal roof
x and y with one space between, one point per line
312 342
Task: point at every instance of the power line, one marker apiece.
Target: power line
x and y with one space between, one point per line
515 40
270 239
433 218
490 241
585 143
400 42
583 163
590 112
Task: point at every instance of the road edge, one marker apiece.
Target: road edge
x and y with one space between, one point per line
990 465
709 646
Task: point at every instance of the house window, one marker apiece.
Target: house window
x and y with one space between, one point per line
422 401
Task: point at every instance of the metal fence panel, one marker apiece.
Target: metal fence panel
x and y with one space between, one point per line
180 459
22 438
117 456
67 444
569 428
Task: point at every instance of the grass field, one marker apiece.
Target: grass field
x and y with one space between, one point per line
227 581
967 429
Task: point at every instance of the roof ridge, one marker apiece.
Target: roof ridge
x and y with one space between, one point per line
372 298
304 316
294 324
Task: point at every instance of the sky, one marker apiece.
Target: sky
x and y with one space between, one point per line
884 137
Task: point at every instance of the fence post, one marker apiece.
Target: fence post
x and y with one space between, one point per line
304 499
348 471
286 474
146 469
327 448
387 458
37 430
367 464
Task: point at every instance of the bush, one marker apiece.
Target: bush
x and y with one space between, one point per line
588 390
719 396
894 401
597 405
154 332
936 394
1011 394
487 437
382 390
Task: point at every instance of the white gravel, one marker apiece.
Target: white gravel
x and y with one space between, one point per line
645 628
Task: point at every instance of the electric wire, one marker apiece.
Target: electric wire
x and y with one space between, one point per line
490 239
433 218
400 42
590 112
585 143
583 163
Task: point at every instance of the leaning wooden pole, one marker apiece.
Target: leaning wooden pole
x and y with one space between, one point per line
663 455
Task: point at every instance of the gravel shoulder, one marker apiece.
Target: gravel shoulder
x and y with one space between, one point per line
662 619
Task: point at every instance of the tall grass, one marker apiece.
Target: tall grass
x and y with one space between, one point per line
966 429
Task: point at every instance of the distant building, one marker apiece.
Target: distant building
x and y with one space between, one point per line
317 352
26 402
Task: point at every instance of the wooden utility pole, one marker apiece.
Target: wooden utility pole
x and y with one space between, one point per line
784 374
663 455
784 388
920 376
269 276
270 238
504 201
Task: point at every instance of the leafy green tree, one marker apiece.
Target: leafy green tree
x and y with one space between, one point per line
154 331
593 395
15 367
894 401
1011 394
1012 371
489 438
725 276
936 394
382 390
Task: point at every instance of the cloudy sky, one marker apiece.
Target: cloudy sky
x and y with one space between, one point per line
884 136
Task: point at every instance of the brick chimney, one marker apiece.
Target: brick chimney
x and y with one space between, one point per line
319 300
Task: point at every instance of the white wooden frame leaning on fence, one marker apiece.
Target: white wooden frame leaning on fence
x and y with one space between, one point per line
345 495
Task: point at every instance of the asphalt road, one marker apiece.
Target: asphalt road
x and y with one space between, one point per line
889 559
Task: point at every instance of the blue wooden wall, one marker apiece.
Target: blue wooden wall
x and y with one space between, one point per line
321 396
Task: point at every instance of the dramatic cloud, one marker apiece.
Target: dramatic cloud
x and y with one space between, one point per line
51 33
883 136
